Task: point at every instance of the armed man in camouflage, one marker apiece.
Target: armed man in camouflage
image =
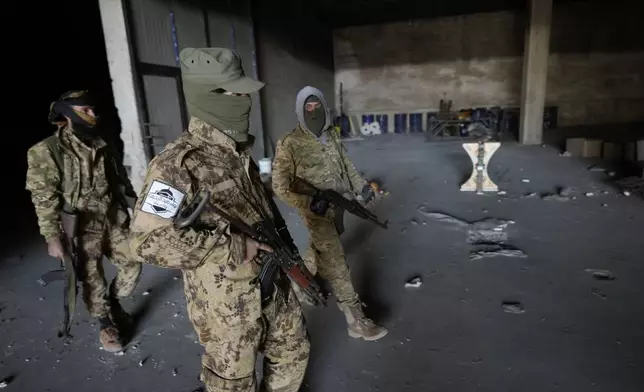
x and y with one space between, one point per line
314 153
220 265
77 170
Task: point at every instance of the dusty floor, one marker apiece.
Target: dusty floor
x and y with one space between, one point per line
577 333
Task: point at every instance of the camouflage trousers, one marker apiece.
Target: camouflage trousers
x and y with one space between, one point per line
112 241
325 256
232 351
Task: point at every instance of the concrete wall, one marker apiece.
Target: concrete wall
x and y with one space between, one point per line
596 67
293 51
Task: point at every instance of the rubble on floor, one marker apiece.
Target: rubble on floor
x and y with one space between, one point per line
601 274
483 251
414 282
488 236
514 307
632 185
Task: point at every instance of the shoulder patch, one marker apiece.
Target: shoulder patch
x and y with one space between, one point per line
162 200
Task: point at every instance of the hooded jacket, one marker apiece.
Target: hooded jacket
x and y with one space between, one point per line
299 106
324 164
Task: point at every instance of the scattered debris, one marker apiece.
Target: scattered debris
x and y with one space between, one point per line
120 353
414 282
413 222
489 235
525 180
632 185
501 193
596 168
4 383
554 197
565 154
589 194
495 250
562 194
146 292
604 205
611 173
565 191
598 293
488 230
530 195
514 307
601 274
141 362
175 372
175 278
626 193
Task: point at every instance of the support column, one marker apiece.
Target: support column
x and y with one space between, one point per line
535 71
122 71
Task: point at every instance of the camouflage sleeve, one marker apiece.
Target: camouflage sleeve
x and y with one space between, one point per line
284 169
156 240
357 182
43 181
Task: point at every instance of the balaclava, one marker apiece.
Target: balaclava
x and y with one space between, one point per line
311 116
209 72
83 124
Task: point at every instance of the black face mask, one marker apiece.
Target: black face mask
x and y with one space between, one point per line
315 119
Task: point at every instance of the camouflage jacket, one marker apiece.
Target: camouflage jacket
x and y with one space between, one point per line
325 165
210 253
84 181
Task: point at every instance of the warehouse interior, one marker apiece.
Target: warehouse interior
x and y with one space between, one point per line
393 63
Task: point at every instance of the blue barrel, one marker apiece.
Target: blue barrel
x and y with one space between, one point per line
383 120
400 123
416 122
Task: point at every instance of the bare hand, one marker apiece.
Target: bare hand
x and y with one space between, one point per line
252 247
55 248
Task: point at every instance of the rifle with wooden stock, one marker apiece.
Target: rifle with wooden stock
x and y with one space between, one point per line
285 256
302 187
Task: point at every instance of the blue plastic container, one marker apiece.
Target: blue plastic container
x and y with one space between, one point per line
400 123
416 122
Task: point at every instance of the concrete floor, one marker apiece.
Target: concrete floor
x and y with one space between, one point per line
577 334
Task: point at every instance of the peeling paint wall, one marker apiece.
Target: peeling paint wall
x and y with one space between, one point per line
596 67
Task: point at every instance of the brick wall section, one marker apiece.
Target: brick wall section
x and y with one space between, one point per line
596 67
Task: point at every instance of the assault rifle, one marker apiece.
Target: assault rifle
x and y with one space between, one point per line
303 187
284 257
67 272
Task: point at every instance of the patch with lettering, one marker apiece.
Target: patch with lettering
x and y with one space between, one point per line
162 200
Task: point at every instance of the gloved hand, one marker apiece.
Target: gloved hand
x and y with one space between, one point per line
367 193
319 207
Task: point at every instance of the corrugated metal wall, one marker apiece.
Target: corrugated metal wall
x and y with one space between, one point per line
160 30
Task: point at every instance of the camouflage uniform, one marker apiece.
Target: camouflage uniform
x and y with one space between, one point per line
223 299
222 291
103 221
323 162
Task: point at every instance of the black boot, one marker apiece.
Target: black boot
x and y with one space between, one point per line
117 313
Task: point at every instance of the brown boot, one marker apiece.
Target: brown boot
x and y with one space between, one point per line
359 326
110 337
